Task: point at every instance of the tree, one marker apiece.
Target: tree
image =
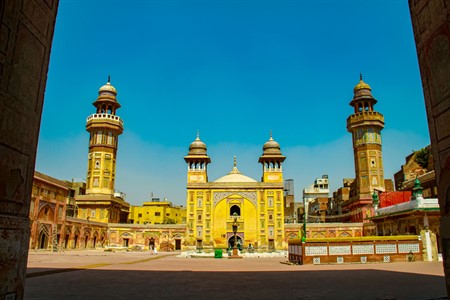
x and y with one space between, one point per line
422 157
169 221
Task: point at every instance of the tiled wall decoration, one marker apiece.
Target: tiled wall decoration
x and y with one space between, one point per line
316 250
385 248
362 249
406 248
340 250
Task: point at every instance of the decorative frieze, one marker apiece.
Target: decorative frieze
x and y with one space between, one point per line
218 196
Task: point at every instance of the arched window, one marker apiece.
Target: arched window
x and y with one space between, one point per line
235 209
110 138
99 137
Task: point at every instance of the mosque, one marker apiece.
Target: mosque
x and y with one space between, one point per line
257 207
213 207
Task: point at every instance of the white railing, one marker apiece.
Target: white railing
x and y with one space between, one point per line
105 116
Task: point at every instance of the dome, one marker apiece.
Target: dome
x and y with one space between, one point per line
361 85
235 176
197 147
271 147
107 88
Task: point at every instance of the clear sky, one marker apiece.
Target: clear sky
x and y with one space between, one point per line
234 70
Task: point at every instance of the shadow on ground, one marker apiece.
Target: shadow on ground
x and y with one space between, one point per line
119 284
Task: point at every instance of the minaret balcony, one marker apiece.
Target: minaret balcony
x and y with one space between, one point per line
366 118
105 118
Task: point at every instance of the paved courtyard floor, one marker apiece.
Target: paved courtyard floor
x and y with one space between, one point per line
141 275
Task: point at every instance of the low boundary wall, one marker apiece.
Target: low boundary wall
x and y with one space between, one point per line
355 250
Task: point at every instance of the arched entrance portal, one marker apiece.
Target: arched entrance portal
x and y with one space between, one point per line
151 244
231 242
43 241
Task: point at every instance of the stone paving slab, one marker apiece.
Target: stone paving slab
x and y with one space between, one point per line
101 275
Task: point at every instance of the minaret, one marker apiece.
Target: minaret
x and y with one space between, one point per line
197 161
104 127
271 160
365 125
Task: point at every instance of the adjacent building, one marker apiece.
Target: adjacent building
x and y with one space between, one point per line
419 164
157 212
418 216
52 227
47 211
319 189
292 209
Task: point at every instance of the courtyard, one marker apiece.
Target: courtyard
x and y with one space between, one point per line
143 275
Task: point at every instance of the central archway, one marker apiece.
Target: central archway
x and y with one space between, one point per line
239 242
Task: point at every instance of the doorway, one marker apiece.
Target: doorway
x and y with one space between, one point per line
177 244
151 244
199 245
43 241
271 245
239 242
75 244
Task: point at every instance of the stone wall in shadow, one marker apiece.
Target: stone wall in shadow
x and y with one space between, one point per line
26 33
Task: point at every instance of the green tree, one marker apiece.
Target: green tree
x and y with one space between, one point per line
169 221
422 157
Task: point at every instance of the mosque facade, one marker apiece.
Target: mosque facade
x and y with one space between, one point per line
256 206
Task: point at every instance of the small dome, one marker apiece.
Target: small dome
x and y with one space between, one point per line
417 183
361 85
107 88
271 147
197 147
235 176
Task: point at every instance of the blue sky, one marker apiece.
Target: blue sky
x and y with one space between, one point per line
234 70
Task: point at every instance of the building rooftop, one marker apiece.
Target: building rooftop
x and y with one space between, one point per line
419 204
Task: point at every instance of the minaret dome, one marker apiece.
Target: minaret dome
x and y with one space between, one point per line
271 147
197 147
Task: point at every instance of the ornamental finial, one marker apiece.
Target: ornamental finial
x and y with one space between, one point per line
235 161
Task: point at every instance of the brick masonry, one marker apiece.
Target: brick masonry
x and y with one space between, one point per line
431 24
26 33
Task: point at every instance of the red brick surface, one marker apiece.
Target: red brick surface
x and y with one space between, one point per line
102 275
